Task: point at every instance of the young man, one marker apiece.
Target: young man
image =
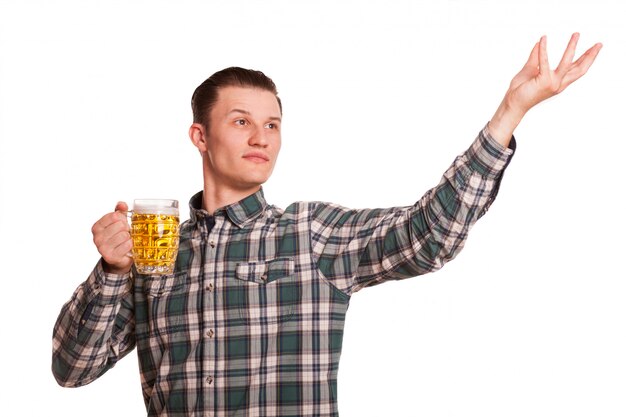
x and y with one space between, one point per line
251 321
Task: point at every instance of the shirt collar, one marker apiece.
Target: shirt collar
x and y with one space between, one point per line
239 213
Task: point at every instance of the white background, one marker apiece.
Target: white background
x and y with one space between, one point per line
379 97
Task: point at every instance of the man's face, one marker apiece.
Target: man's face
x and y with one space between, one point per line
243 138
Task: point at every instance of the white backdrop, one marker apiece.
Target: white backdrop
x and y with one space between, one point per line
379 97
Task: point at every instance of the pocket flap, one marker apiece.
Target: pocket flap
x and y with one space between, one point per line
157 285
265 271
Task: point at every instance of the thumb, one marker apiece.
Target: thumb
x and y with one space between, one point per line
531 68
121 206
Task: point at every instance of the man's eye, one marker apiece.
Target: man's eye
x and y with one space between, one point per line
240 122
271 126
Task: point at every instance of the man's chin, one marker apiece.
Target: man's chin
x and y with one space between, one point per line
255 180
252 185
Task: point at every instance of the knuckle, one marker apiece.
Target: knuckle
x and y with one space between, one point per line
128 245
106 253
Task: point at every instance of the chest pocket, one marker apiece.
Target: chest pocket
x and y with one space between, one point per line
268 290
165 302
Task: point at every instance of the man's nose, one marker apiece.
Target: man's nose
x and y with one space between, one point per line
258 137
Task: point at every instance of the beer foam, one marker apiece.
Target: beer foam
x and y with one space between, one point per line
155 206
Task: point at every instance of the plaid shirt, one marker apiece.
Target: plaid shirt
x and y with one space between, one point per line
251 321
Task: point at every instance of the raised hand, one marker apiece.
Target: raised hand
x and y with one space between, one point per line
536 82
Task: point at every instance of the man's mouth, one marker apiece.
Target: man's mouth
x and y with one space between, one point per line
256 157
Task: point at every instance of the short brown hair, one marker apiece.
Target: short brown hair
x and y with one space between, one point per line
205 95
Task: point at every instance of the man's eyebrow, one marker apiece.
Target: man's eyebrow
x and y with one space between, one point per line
239 111
247 113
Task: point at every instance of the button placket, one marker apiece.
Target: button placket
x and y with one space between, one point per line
208 317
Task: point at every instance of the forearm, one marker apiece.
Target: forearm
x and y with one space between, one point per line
360 248
93 331
504 121
441 220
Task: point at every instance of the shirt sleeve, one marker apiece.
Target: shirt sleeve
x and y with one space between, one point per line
359 248
94 329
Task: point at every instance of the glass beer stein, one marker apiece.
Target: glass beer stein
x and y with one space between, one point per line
154 230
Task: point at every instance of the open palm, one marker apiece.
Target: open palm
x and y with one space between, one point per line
537 82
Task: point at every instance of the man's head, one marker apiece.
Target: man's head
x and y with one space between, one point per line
236 128
205 95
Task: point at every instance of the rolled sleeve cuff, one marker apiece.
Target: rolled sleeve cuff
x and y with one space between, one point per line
488 157
109 287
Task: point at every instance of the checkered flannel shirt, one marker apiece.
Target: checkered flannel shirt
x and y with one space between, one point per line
251 321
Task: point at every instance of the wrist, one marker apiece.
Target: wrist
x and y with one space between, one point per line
115 270
504 121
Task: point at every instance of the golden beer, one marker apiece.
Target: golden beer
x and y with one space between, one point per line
154 229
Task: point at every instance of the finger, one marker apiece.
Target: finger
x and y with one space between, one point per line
112 242
533 58
531 67
121 206
589 55
529 70
582 64
116 248
109 226
119 245
544 65
568 55
107 220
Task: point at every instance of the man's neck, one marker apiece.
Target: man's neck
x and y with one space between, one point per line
215 197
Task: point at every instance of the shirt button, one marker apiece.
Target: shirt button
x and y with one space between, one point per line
264 277
212 243
209 287
209 380
210 333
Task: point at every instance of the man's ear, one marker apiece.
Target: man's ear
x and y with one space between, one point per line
197 134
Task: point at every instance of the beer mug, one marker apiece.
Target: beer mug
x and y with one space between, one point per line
154 230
